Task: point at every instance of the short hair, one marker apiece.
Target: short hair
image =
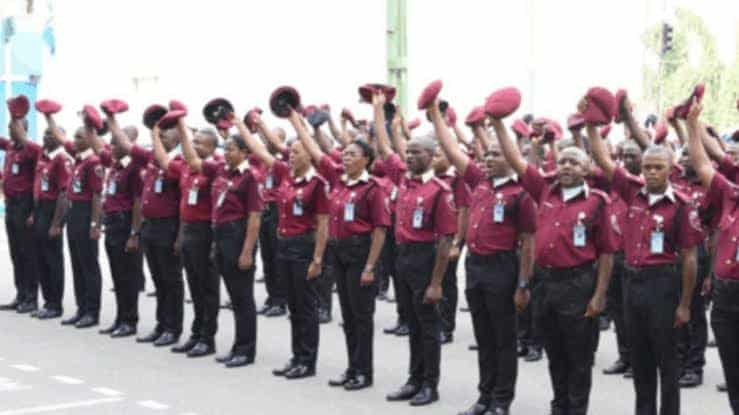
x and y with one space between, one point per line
629 144
240 142
579 153
426 141
132 132
211 133
657 150
367 150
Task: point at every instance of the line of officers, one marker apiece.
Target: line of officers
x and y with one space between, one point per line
317 210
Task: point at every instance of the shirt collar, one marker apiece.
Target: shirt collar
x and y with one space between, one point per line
450 172
242 167
55 152
653 198
424 177
125 161
85 154
306 177
570 193
500 181
364 178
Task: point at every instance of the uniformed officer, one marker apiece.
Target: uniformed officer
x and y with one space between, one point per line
50 187
122 218
197 237
722 195
425 224
502 214
21 155
574 255
358 220
302 233
660 238
160 199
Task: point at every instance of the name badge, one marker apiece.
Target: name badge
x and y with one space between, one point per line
349 212
297 208
14 168
44 185
269 183
394 193
737 254
657 242
76 186
112 187
158 186
192 197
578 235
418 218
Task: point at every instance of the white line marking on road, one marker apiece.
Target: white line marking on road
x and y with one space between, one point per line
55 408
153 405
25 368
107 391
68 380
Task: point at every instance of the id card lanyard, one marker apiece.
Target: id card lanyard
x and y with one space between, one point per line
222 196
349 208
192 195
579 235
657 240
298 203
418 214
499 209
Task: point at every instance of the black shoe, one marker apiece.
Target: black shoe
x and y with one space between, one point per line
402 330
629 374
151 294
25 308
11 306
464 309
358 382
406 392
275 311
264 309
300 372
45 314
239 360
186 346
446 338
617 368
149 338
86 321
72 320
425 396
166 339
225 358
201 349
324 316
691 379
473 347
604 323
533 356
283 371
342 379
722 387
188 301
521 349
711 343
227 305
476 409
260 279
497 411
109 329
124 330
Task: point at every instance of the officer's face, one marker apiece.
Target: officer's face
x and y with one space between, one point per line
495 162
299 158
170 139
656 170
440 162
631 157
571 168
233 154
49 141
417 158
204 145
354 160
80 140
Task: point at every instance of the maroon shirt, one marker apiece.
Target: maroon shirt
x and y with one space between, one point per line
234 193
195 190
460 190
488 233
299 200
52 174
20 166
724 196
378 170
267 178
161 193
87 177
123 184
673 215
558 220
356 207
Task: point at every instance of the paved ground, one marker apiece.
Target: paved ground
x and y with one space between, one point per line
47 368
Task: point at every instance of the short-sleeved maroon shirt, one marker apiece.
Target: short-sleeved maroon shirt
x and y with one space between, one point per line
425 211
299 200
160 196
234 192
195 191
724 197
52 174
87 177
123 184
20 167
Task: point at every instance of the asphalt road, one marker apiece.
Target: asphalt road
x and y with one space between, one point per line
47 368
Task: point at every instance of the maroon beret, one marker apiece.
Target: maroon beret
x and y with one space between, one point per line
660 132
153 114
429 94
476 116
47 106
575 121
347 115
503 102
553 131
224 124
605 130
91 117
620 100
601 106
215 110
283 99
367 90
249 119
170 119
18 106
414 123
177 105
451 116
681 111
114 106
521 128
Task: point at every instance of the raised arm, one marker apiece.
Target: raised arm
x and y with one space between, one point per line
56 132
267 133
383 141
639 135
399 140
510 149
323 140
460 135
119 136
315 151
449 144
255 145
159 152
193 160
698 157
679 130
601 154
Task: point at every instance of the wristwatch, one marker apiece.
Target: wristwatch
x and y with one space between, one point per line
523 284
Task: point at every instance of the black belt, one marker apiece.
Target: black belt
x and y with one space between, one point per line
651 271
561 274
350 240
303 237
413 247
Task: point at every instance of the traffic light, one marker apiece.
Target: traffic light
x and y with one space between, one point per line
666 38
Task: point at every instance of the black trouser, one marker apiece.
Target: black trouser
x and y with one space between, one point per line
273 281
158 237
725 324
415 263
529 333
326 288
22 254
562 297
84 254
448 304
615 300
124 267
229 239
50 255
202 279
693 337
348 258
294 255
388 262
491 283
652 294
